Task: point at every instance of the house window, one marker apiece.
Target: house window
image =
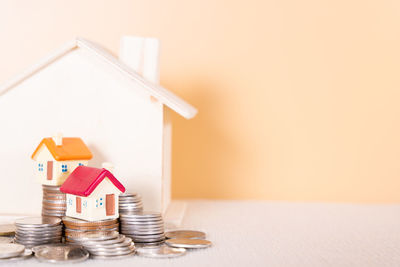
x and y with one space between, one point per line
99 202
64 168
70 202
40 167
80 164
85 204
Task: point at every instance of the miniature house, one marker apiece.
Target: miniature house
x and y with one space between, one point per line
55 158
115 103
92 194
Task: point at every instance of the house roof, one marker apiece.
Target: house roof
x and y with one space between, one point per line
84 180
163 95
72 148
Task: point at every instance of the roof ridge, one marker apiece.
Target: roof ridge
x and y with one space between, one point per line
163 95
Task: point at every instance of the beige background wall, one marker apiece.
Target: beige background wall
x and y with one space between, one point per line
298 100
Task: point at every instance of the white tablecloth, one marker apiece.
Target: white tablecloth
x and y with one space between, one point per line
248 233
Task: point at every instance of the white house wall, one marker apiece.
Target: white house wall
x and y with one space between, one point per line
79 96
89 210
42 156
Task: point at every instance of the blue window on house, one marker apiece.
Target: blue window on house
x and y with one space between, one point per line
80 164
64 168
40 167
70 202
99 202
85 204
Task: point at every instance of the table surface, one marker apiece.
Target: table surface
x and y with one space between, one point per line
250 233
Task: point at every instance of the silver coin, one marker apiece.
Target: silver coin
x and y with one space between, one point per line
130 208
141 229
150 236
130 202
112 249
126 243
142 223
112 252
96 236
37 248
188 243
148 214
62 254
113 257
160 252
10 250
6 239
91 230
142 233
117 240
23 256
38 229
37 221
149 244
37 237
136 241
185 234
129 196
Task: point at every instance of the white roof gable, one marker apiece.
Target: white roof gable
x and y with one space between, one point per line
163 95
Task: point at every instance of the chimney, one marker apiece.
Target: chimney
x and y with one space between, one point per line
108 166
58 139
142 55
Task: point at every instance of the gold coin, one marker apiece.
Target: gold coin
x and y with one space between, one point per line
7 229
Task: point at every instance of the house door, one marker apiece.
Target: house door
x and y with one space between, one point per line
49 170
78 205
110 204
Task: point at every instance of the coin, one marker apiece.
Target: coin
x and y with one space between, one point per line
37 221
113 251
35 249
101 235
185 234
160 252
7 229
10 250
95 227
62 254
118 239
188 243
113 257
77 222
25 255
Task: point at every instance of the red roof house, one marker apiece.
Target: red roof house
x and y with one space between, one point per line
92 194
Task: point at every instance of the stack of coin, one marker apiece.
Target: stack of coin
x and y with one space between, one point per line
54 201
104 247
76 228
130 203
33 231
144 227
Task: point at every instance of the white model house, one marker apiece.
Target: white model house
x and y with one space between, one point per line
114 103
55 158
92 194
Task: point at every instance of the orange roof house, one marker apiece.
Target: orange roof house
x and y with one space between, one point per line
55 158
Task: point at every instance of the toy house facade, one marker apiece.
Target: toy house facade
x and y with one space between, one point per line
55 158
116 103
92 194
